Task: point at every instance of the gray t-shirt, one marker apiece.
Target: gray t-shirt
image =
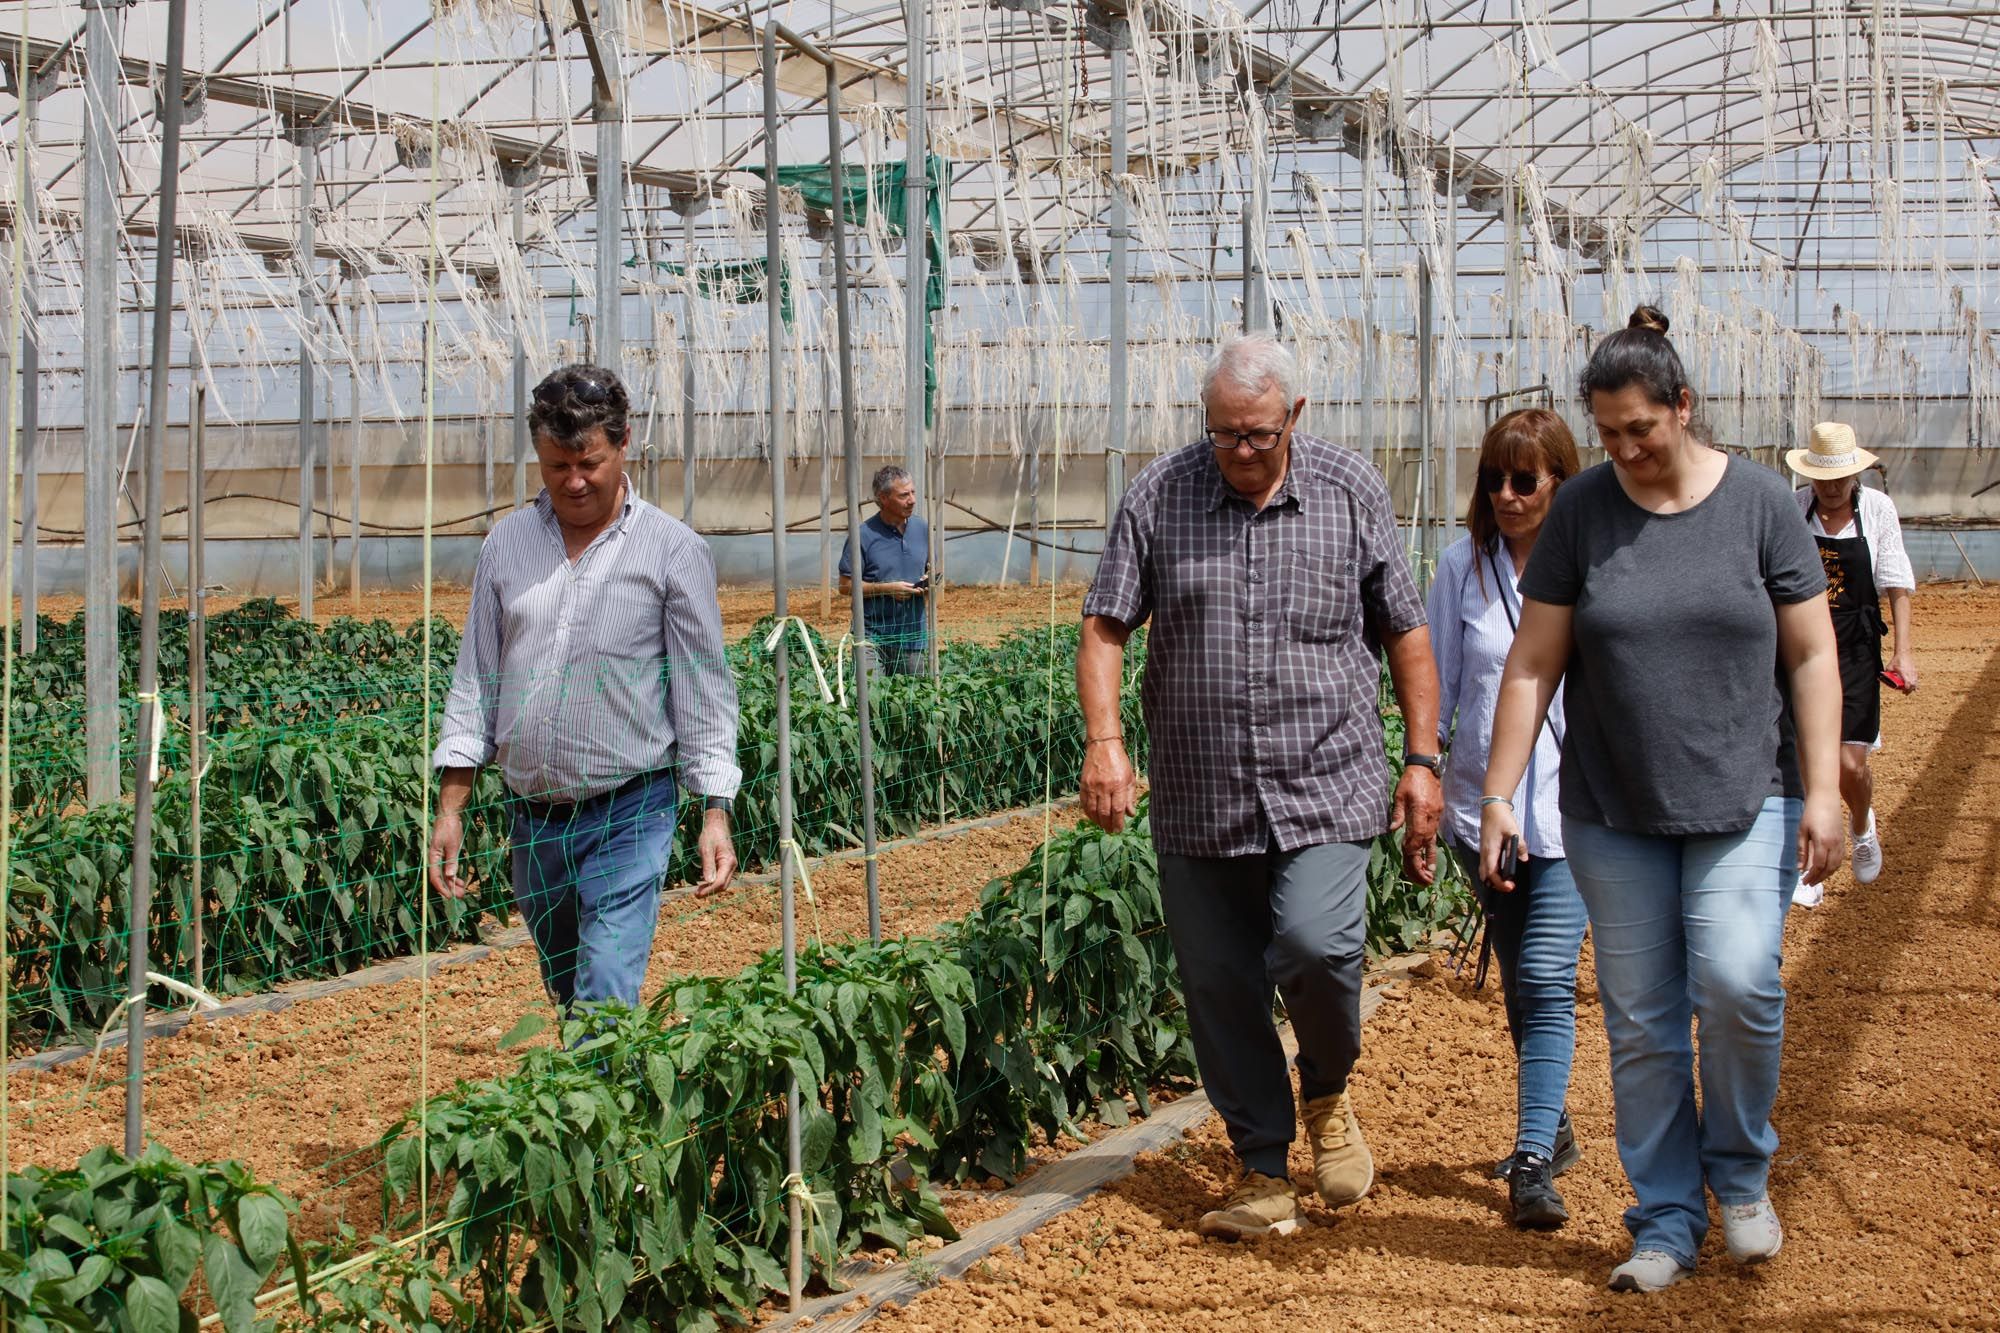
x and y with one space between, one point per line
1678 720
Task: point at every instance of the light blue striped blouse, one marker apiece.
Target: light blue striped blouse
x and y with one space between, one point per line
1471 633
576 676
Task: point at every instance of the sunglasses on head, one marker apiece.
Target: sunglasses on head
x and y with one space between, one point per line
1491 479
584 390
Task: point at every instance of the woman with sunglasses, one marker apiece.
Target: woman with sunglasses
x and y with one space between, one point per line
1535 923
1678 601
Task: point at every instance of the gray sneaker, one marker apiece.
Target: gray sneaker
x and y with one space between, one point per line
1751 1231
1648 1270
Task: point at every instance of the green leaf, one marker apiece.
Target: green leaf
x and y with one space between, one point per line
232 1283
90 1275
151 1306
261 1225
400 1166
530 1025
177 1251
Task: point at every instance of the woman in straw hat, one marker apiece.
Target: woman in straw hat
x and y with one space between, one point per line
1861 546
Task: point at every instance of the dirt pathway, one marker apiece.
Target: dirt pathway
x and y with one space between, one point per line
1888 1177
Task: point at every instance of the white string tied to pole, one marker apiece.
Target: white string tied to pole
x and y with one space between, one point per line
812 653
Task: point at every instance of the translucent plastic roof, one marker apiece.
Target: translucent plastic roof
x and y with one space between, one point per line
1789 162
1623 113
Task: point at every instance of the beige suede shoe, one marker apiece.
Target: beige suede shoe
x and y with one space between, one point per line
1260 1205
1342 1165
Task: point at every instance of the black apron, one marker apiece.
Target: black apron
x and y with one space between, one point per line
1858 627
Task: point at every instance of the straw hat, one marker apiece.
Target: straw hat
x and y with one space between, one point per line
1830 454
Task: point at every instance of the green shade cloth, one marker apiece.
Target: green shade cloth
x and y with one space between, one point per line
880 194
738 280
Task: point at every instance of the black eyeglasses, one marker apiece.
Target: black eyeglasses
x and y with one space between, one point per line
1491 479
1260 440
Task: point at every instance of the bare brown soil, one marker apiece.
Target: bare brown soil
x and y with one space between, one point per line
1888 1177
303 1094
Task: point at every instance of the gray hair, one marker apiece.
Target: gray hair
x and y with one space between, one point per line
1255 363
888 478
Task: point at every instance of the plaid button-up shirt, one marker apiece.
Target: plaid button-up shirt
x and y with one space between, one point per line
1262 672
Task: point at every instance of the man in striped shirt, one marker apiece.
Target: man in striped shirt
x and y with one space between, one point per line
592 672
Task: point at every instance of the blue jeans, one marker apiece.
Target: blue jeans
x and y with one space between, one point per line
1537 931
587 881
1690 929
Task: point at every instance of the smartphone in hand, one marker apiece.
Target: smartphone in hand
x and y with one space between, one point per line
1510 859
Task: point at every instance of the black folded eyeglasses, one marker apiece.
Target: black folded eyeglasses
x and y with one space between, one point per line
1491 479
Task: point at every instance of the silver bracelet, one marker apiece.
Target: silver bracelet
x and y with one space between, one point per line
1485 801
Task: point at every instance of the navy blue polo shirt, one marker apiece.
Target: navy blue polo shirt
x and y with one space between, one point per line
889 556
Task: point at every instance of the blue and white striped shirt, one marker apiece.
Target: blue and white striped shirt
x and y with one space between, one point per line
578 675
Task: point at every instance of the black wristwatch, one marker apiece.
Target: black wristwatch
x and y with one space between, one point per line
722 803
1429 761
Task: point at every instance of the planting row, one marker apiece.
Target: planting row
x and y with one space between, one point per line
313 835
633 1176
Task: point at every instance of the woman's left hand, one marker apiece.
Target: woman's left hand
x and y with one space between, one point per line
1905 665
1822 841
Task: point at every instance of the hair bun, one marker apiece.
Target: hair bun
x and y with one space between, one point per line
1648 317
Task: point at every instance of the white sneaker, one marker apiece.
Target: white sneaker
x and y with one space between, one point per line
1808 895
1648 1270
1867 854
1751 1231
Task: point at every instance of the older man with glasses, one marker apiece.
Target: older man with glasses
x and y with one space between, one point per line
1269 564
592 671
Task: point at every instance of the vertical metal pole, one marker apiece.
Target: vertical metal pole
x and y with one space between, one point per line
197 667
610 191
826 493
517 176
1426 441
694 206
1256 295
31 393
916 312
780 666
1120 390
150 717
916 319
100 399
354 471
851 448
308 139
31 403
1034 446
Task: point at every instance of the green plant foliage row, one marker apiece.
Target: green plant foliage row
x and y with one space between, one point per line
312 848
314 829
117 1244
635 1178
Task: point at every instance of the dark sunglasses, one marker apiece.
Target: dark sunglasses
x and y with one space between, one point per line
1491 479
584 390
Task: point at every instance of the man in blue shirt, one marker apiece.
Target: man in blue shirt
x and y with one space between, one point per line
895 583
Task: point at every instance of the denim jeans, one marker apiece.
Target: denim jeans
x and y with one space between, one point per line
1690 929
1537 931
1241 926
587 881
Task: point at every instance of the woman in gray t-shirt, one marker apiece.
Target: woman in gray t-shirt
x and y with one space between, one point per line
1678 600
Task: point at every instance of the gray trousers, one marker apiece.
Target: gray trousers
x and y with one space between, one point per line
1242 925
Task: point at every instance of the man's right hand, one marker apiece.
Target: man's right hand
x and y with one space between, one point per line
447 839
901 589
1110 789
